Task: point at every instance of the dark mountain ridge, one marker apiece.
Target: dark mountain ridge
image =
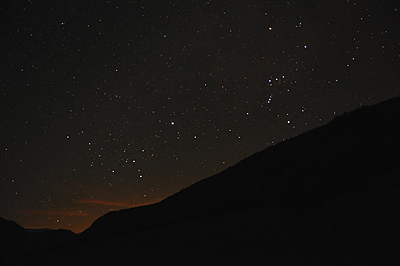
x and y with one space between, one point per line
8 227
354 152
15 241
330 196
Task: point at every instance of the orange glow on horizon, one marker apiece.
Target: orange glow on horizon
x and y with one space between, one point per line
105 202
77 218
52 212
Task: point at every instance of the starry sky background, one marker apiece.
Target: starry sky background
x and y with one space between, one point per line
113 104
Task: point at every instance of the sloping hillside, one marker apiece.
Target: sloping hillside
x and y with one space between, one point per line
356 151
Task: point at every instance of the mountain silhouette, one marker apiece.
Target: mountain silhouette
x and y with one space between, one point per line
330 196
8 227
354 152
12 238
17 242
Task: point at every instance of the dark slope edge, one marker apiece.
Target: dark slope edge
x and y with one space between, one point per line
15 241
354 153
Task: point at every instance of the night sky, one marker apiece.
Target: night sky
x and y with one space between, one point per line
114 104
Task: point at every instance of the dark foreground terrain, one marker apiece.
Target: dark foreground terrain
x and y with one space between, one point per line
330 196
